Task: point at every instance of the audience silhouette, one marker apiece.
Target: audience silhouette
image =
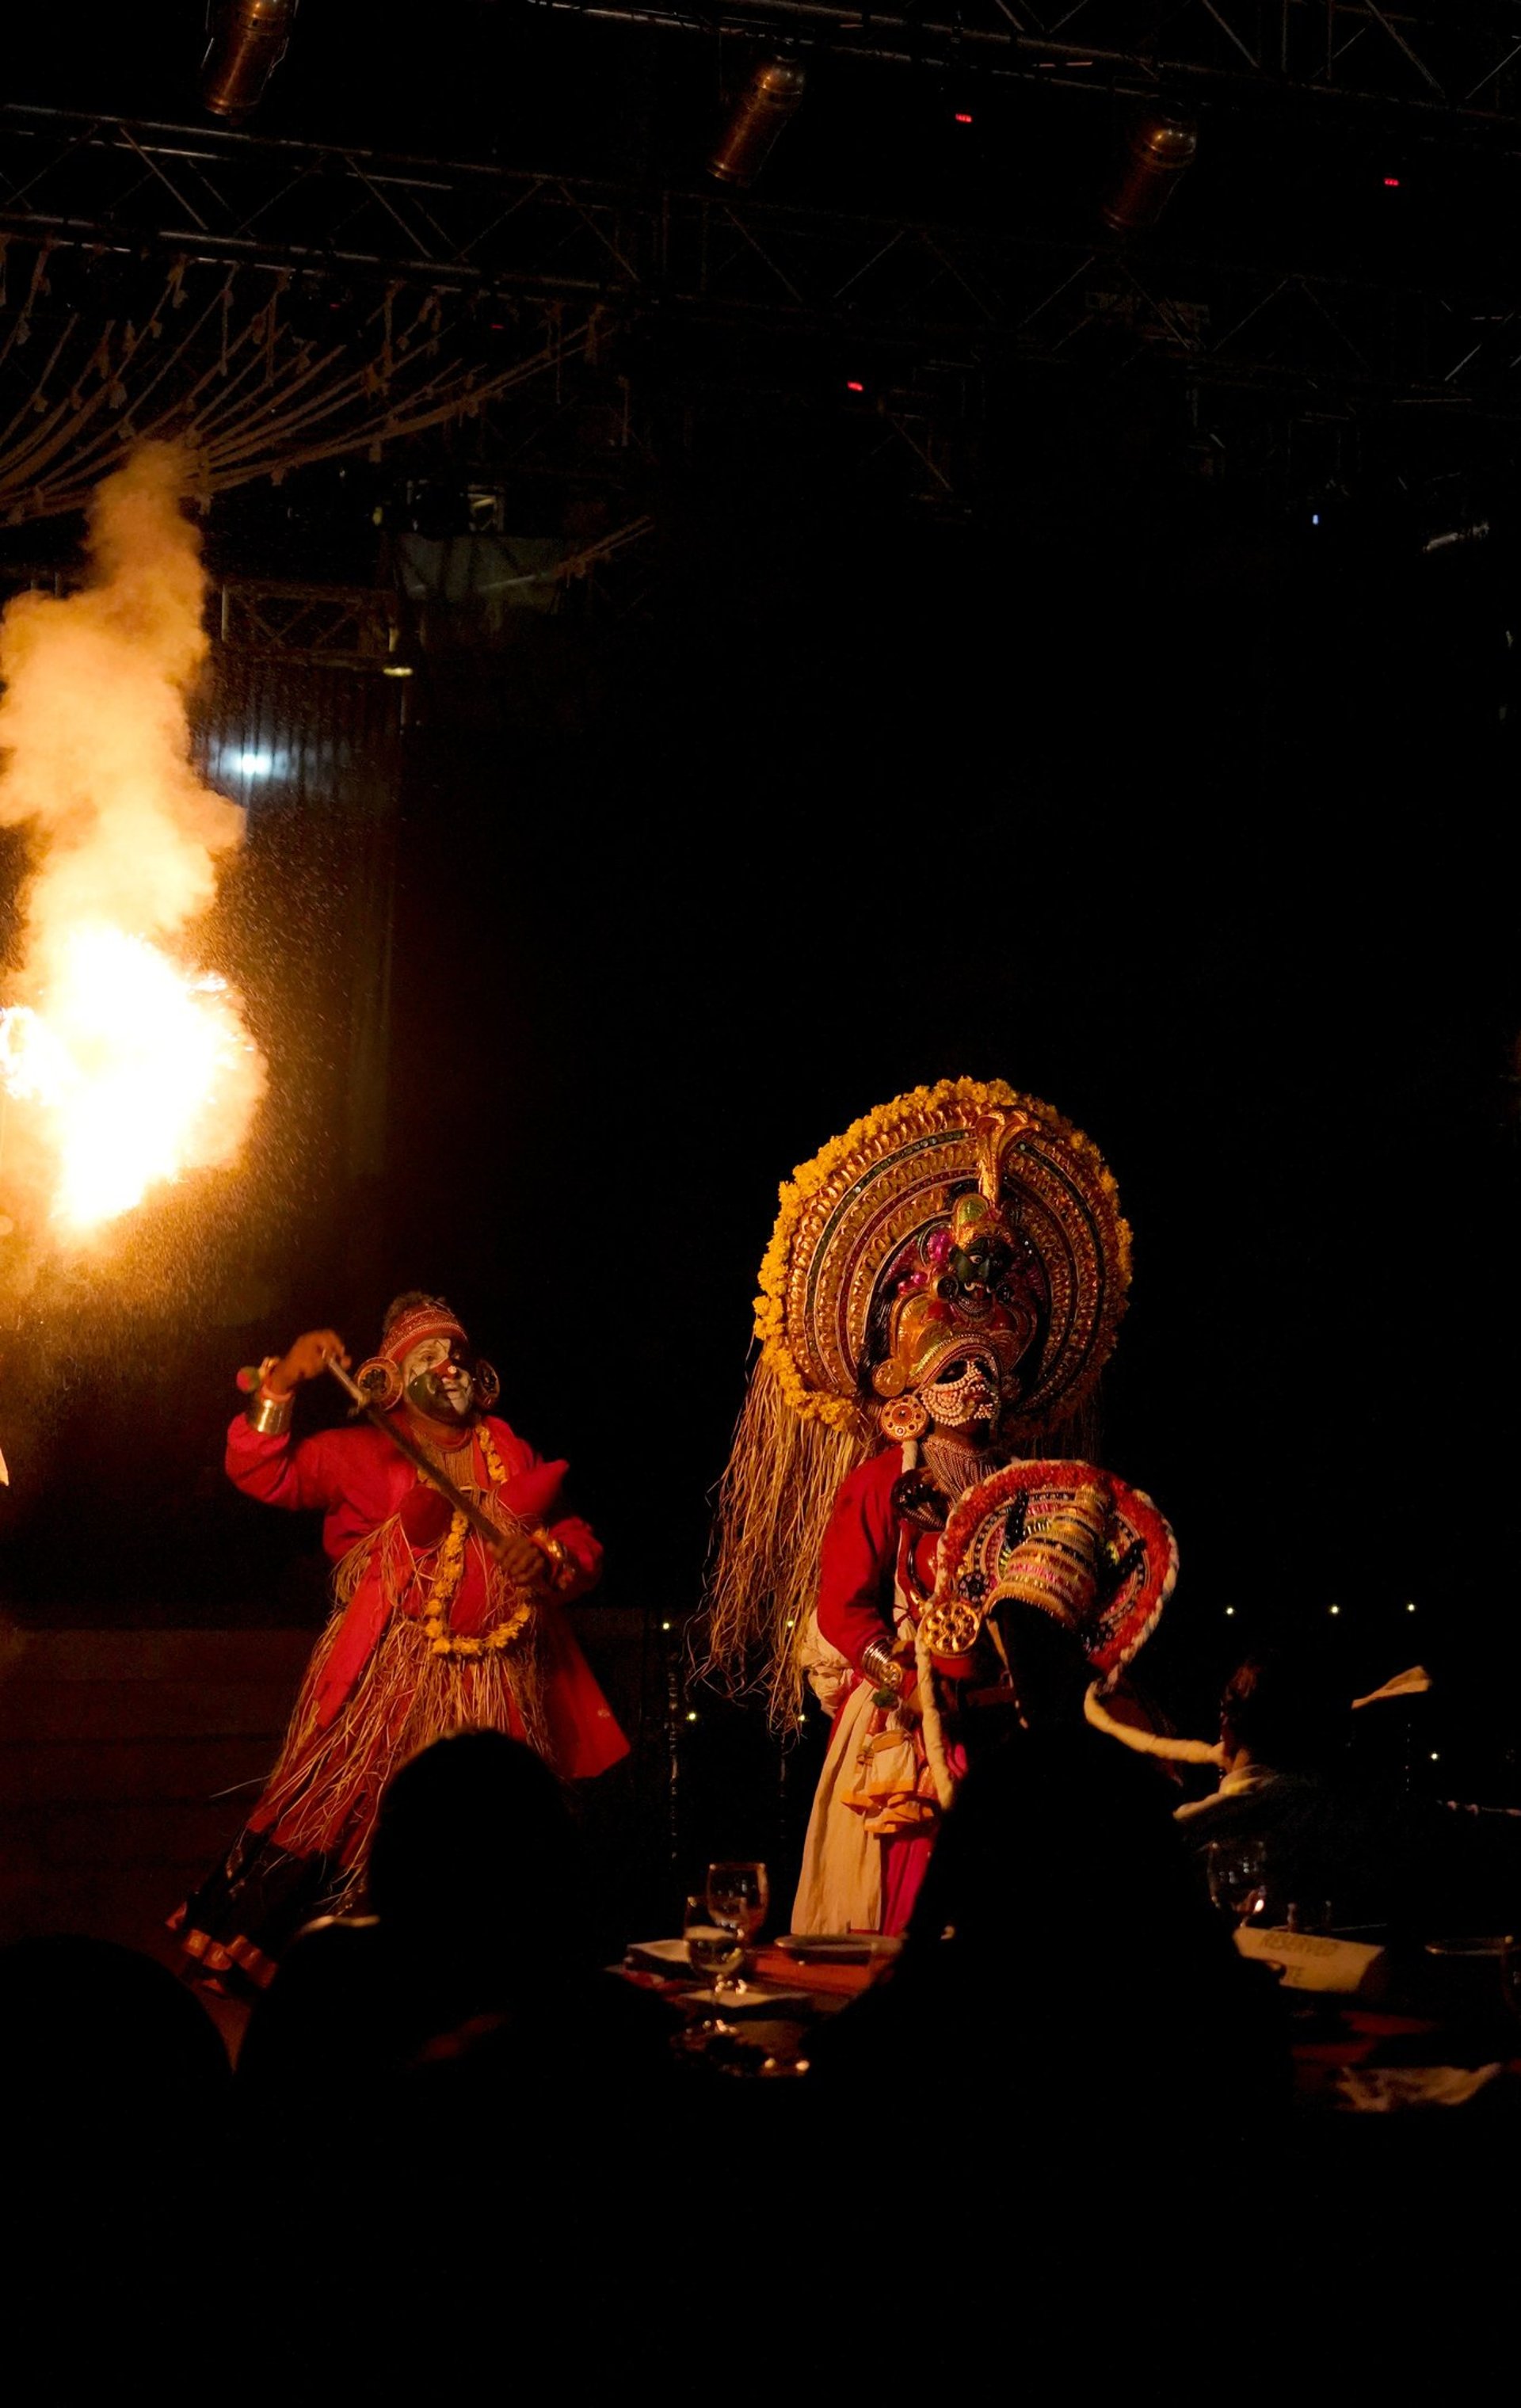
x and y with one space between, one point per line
449 2099
1336 1847
1062 1948
118 2127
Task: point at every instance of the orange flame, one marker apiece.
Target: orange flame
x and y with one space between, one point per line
132 1066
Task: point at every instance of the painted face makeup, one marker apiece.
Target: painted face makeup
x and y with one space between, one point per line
437 1382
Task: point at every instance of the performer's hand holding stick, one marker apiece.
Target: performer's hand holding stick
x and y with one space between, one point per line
520 1556
525 1558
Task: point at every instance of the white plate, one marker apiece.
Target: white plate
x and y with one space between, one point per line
839 1947
668 1956
751 2001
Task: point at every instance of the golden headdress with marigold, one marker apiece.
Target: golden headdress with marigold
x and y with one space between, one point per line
956 1214
862 1228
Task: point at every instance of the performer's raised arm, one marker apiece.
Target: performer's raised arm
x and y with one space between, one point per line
261 1457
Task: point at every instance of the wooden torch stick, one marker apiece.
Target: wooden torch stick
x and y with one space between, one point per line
484 1527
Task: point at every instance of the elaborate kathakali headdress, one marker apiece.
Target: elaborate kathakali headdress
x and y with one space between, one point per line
963 1219
958 1211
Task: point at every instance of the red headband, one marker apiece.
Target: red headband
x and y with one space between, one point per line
423 1320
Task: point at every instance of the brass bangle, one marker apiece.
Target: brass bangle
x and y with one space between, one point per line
269 1415
558 1565
880 1666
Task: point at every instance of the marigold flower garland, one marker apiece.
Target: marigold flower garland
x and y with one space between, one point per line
837 1412
449 1571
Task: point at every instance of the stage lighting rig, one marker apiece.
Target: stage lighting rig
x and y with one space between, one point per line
248 39
768 103
1160 148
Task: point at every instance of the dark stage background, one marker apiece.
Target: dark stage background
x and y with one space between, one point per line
1168 798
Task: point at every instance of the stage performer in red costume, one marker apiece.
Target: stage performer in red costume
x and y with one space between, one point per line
941 1290
432 1629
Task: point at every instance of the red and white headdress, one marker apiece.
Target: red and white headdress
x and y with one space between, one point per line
380 1378
432 1318
1069 1537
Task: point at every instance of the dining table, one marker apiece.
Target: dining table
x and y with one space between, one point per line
1434 2029
761 2025
1361 2201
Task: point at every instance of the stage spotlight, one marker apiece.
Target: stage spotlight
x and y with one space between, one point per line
767 102
248 41
1161 146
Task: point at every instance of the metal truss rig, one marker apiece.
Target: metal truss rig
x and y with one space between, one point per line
322 626
1455 65
283 217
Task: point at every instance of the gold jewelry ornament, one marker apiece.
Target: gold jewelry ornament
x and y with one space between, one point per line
904 1418
270 1415
379 1382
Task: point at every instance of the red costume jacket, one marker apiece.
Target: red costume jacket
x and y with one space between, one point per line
358 1481
867 1546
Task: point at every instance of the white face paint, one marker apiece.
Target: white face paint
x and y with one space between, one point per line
435 1385
968 1392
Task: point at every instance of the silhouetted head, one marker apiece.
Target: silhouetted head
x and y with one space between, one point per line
1056 1842
1287 1709
475 1828
92 2031
1046 1664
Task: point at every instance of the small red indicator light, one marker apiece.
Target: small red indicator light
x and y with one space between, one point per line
1392 184
852 386
963 116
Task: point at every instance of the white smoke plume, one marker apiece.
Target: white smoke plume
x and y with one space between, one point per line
125 1065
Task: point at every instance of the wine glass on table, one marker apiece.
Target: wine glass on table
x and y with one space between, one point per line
714 1949
1237 1878
738 1893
